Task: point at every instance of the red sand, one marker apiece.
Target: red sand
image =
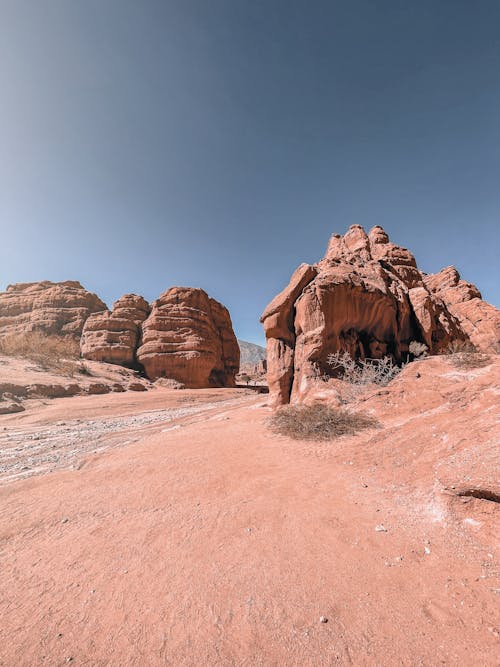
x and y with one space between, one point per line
218 543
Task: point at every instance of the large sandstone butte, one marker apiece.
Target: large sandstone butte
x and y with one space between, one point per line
184 336
51 308
366 297
189 338
114 336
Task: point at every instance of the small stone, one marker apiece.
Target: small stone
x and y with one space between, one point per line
323 619
65 520
381 528
427 550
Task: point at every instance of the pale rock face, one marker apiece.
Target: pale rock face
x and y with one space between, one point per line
50 308
367 297
188 337
114 337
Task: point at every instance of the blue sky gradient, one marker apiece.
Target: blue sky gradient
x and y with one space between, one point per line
219 144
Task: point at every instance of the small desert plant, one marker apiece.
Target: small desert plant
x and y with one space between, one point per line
58 353
363 371
463 355
418 349
461 346
318 422
83 369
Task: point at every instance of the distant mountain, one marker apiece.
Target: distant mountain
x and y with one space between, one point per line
251 353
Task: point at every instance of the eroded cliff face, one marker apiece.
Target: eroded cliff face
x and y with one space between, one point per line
50 308
479 319
367 297
184 336
188 337
114 336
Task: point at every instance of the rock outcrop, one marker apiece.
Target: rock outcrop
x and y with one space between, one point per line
367 297
184 336
188 337
50 308
479 319
114 336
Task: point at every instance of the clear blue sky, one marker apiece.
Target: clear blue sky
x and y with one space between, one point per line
218 144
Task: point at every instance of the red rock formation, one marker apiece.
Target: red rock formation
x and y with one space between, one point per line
479 320
114 336
366 297
52 308
188 337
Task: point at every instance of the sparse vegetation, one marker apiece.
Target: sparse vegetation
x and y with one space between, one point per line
364 371
417 349
55 353
461 346
464 355
318 422
83 369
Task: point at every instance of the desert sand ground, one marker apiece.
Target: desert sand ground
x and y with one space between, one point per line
172 528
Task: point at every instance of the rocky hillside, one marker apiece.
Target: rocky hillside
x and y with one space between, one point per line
250 353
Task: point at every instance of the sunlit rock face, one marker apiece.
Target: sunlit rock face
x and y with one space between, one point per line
184 336
188 337
50 308
366 297
114 336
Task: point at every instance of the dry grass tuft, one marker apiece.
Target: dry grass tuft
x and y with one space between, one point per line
459 346
318 422
54 353
463 355
469 360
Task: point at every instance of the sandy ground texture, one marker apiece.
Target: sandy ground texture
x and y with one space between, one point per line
175 529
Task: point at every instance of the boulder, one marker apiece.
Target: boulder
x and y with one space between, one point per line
189 338
50 308
367 297
114 336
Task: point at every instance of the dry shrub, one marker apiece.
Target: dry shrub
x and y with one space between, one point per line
363 371
360 375
463 355
459 346
318 422
418 349
55 353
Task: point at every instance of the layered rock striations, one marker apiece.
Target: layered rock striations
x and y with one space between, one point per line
188 337
114 336
478 319
50 308
184 336
367 297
